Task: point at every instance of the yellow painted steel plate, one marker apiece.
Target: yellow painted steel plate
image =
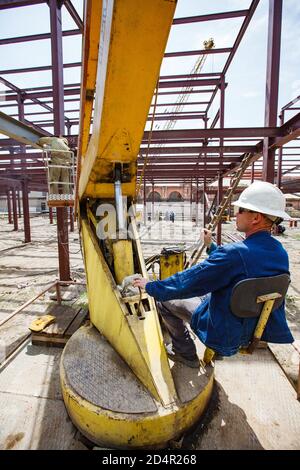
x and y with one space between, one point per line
111 407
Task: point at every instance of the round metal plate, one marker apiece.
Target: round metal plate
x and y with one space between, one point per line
98 374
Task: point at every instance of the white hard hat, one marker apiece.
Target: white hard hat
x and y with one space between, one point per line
265 198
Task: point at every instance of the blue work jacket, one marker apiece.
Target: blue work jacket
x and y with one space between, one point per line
259 255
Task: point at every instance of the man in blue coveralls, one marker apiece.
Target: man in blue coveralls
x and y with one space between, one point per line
206 287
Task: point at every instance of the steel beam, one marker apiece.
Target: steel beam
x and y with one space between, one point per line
19 131
197 149
159 167
5 4
36 37
258 132
289 131
21 97
241 34
189 159
210 17
189 76
73 13
190 103
189 82
291 103
210 90
223 50
37 69
35 95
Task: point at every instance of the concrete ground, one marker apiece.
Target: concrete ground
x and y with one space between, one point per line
26 270
254 405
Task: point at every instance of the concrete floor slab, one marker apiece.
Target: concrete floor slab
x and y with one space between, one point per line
34 372
254 407
35 423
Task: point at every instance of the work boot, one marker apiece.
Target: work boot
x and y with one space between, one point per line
192 362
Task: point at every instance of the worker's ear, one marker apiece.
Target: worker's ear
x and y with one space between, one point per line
257 218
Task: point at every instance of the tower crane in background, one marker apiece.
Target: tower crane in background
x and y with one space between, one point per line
185 92
181 101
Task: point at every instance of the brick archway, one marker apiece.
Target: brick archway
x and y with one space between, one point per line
175 196
157 196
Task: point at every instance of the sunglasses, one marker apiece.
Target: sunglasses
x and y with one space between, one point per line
240 210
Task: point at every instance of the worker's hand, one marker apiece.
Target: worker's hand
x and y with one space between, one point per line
207 237
140 282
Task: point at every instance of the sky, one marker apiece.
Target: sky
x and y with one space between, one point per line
245 94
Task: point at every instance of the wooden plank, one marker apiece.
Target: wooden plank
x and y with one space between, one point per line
64 317
64 328
40 340
77 322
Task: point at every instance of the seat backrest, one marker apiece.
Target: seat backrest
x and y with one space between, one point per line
243 302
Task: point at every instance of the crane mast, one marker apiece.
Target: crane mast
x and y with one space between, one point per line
118 385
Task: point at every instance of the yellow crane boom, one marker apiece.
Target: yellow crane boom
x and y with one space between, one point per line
130 43
130 59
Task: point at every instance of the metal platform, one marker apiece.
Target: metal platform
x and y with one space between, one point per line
110 405
60 200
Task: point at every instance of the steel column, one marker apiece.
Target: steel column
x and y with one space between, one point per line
19 204
58 106
280 151
9 207
204 181
197 201
21 113
152 211
26 211
63 243
71 219
204 202
145 200
272 81
220 178
15 211
252 172
191 200
57 65
21 117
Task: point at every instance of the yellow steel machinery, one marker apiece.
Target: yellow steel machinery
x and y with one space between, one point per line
119 387
171 261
